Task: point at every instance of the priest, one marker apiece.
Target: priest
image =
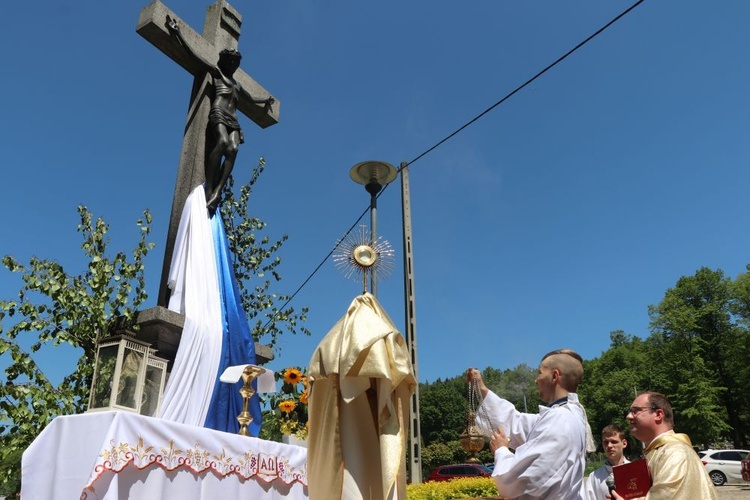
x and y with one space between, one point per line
676 470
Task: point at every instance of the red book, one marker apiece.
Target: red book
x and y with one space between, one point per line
632 480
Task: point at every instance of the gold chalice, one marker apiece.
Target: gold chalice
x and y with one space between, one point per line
248 375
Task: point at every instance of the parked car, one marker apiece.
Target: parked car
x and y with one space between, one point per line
724 465
448 472
746 469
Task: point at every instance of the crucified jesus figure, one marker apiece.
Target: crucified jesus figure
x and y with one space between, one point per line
222 120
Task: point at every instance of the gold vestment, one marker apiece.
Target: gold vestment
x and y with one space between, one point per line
676 470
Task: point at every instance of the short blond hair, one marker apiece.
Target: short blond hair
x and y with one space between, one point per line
570 365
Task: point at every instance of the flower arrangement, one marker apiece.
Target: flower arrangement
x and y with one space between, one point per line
288 407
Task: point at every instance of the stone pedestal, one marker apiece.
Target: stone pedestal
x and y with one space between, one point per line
162 328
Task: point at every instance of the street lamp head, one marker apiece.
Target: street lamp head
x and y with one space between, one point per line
374 175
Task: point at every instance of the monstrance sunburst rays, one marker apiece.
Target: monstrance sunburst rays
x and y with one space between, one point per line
356 256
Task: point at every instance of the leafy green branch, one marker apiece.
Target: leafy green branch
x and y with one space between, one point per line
256 266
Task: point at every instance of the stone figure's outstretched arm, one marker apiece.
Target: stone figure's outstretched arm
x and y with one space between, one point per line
267 101
174 29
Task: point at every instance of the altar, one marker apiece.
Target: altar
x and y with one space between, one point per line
111 454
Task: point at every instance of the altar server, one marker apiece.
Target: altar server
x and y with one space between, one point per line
601 480
550 447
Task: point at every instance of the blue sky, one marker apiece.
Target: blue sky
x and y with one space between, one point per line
556 218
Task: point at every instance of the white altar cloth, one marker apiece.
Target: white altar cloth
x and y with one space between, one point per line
110 455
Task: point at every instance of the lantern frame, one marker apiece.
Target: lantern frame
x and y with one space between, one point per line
120 375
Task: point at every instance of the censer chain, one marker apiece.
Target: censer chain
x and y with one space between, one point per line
482 418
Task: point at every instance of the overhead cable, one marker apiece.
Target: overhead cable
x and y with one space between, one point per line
456 132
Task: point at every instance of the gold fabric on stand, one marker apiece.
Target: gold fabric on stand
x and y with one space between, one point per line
361 380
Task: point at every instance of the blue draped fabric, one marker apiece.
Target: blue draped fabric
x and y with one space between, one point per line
237 346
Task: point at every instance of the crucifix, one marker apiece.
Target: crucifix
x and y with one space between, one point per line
221 32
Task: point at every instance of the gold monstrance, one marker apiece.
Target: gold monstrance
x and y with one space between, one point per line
357 256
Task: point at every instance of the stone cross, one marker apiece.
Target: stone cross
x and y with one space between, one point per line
220 31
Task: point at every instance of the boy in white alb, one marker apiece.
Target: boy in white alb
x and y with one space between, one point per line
614 444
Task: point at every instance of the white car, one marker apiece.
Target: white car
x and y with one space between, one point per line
724 465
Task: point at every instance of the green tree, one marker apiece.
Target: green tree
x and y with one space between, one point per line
695 341
740 307
53 308
443 411
611 381
256 261
740 293
516 385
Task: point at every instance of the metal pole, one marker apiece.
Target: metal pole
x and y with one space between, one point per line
373 237
415 451
373 175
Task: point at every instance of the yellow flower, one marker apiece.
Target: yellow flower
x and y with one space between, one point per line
304 381
303 397
287 406
302 433
287 427
292 376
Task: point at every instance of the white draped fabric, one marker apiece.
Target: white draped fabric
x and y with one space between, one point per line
195 294
111 455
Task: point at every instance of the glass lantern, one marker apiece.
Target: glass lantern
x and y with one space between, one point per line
153 388
127 376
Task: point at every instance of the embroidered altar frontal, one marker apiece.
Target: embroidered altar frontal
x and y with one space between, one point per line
124 455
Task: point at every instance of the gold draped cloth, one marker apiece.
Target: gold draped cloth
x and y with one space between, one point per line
361 381
676 470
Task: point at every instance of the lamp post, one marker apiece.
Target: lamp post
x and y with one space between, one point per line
374 175
521 387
